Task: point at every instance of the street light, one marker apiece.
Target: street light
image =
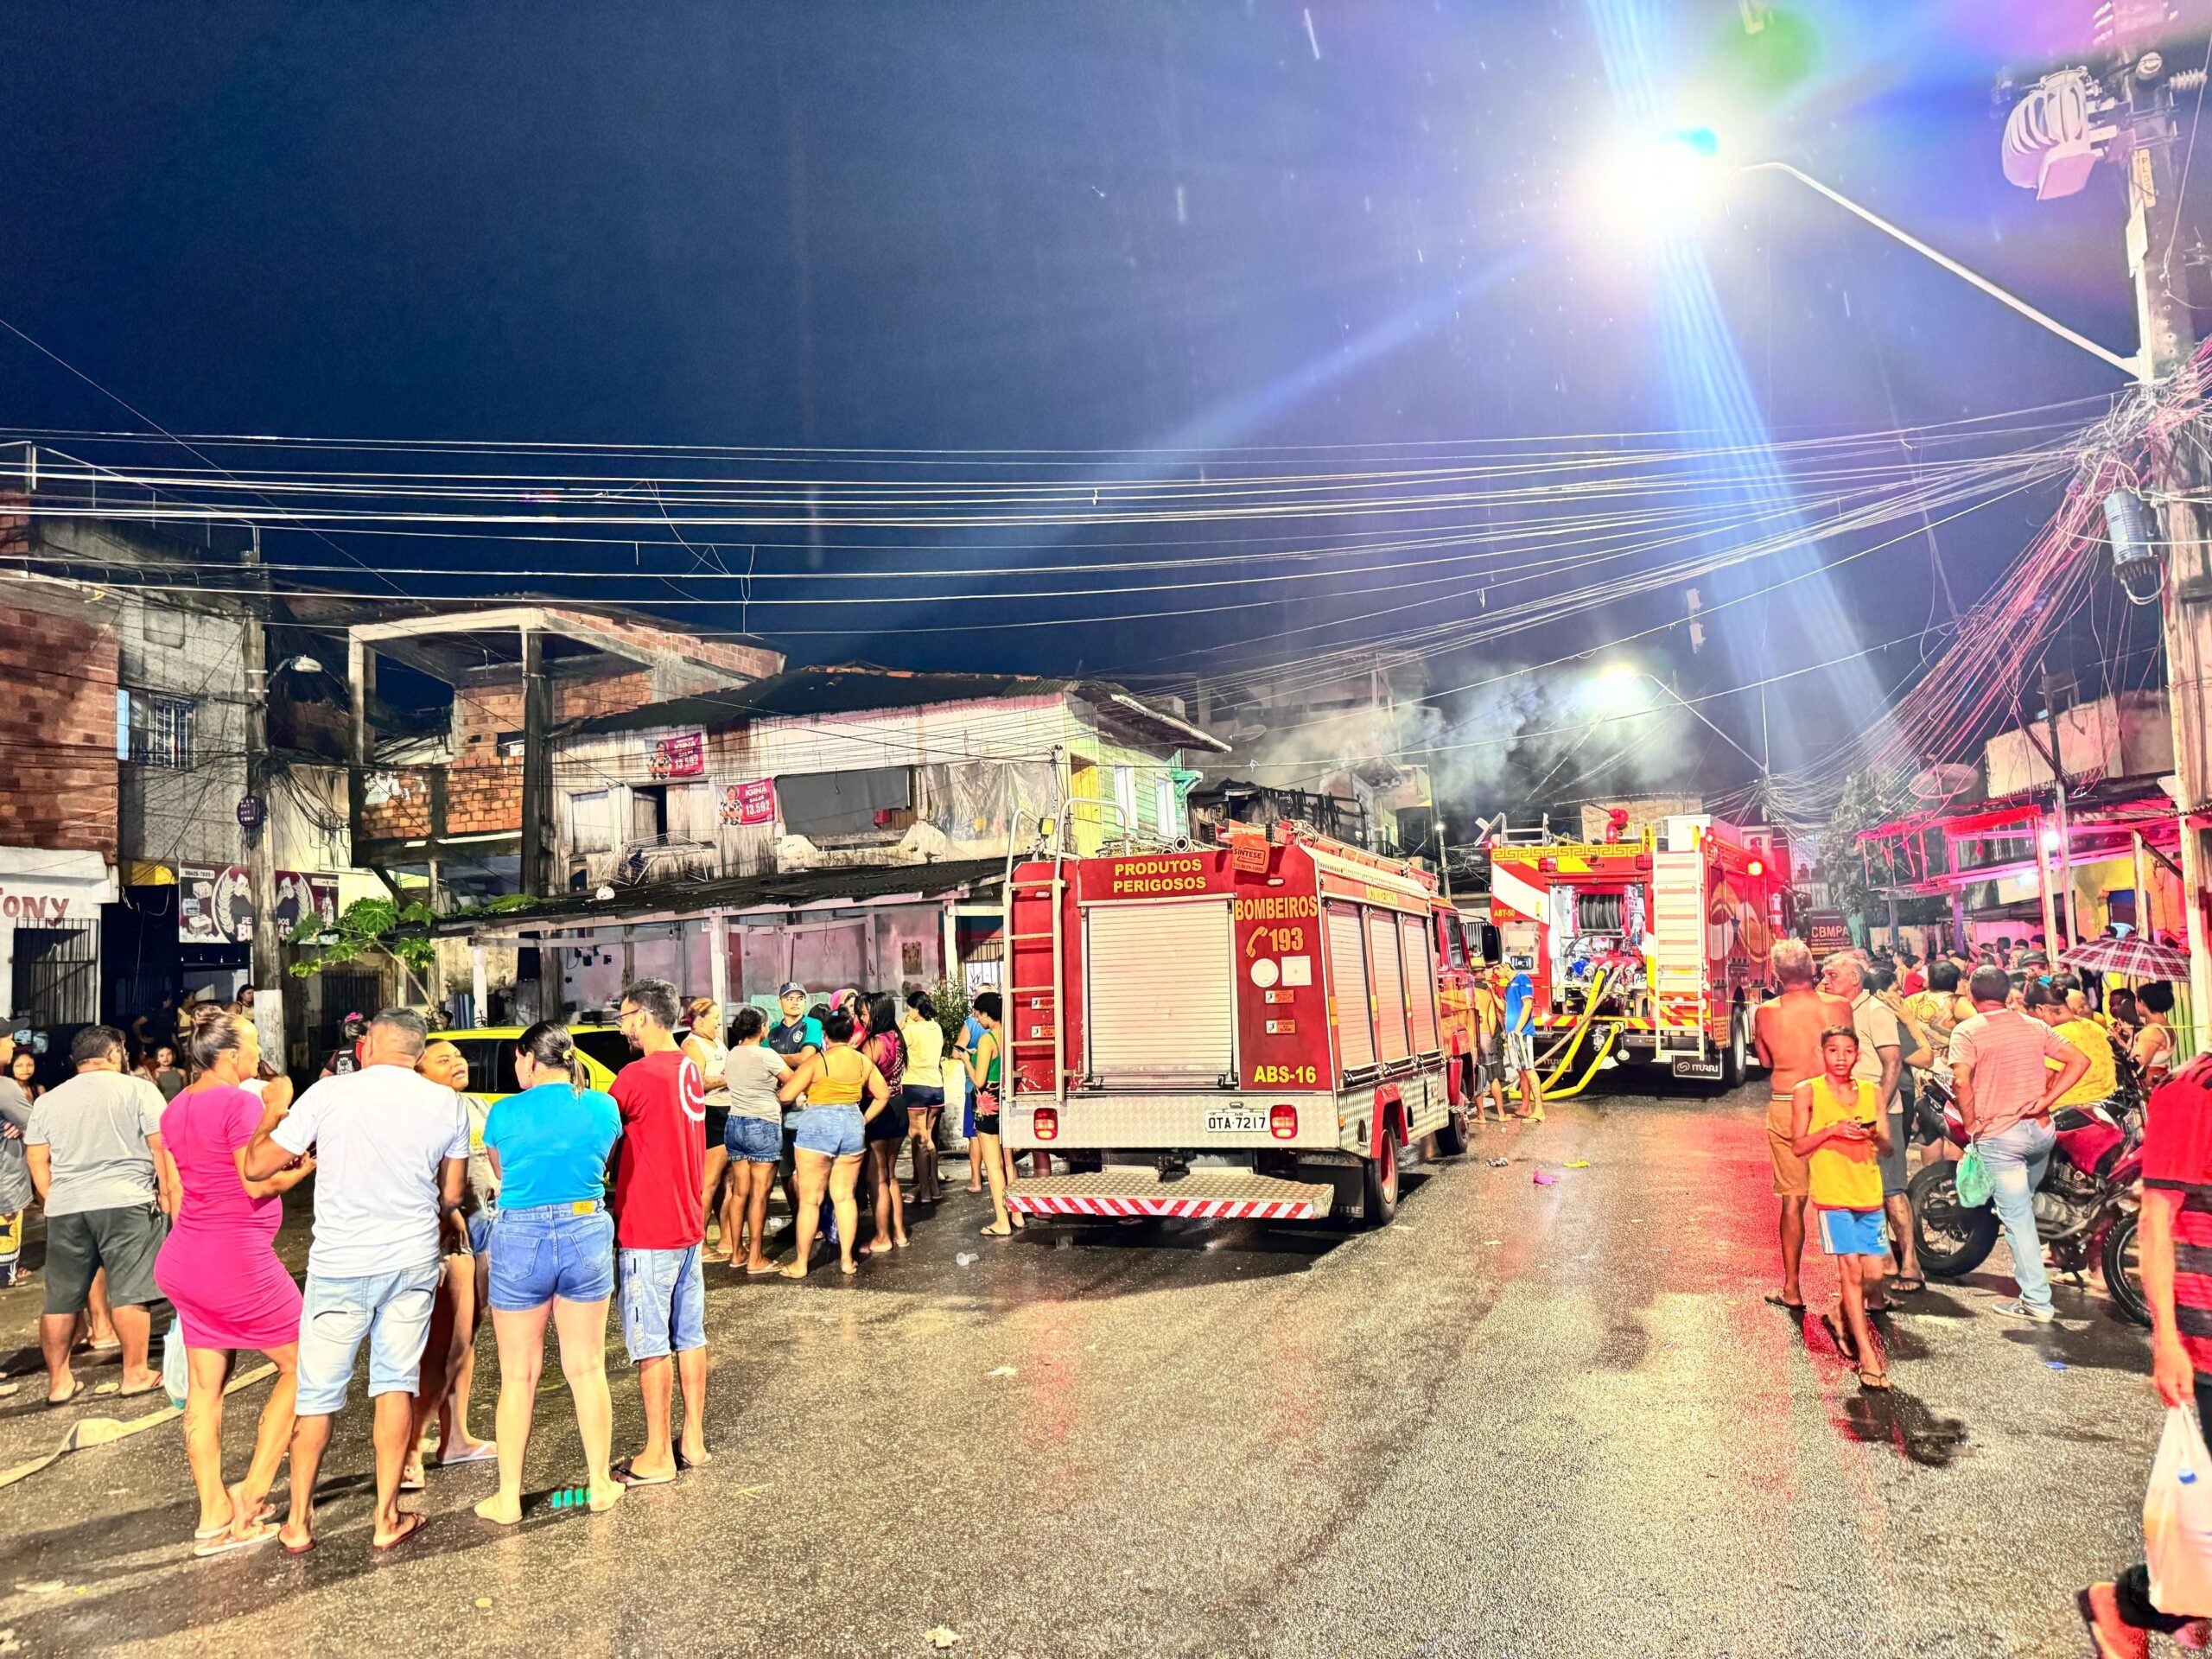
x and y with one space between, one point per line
1664 181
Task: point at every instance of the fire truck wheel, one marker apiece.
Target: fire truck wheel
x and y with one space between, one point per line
1379 1184
1735 1063
1452 1139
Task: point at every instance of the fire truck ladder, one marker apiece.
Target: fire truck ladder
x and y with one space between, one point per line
1548 1088
1054 891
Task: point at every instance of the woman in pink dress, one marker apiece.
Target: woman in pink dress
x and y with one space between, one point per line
219 1267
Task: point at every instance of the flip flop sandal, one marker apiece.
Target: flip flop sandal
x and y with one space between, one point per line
130 1394
420 1520
1907 1286
627 1473
297 1549
51 1402
700 1462
224 1542
486 1452
411 1481
1776 1299
1878 1381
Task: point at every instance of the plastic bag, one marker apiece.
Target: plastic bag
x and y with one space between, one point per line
1972 1179
177 1373
2177 1519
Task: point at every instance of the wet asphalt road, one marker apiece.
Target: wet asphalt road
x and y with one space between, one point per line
1525 1420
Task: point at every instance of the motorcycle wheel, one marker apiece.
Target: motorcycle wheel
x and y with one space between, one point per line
1954 1240
2123 1275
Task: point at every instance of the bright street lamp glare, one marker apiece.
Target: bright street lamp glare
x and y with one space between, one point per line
1659 184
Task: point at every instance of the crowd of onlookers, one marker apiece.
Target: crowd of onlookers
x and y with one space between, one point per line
435 1207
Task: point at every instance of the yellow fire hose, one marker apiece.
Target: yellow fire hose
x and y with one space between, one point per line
1548 1088
1550 1092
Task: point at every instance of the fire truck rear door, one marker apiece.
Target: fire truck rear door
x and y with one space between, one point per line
1420 982
1348 989
1390 1035
1162 993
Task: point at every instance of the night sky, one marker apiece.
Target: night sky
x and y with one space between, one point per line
1099 227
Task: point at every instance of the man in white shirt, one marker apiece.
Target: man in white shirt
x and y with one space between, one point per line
391 1153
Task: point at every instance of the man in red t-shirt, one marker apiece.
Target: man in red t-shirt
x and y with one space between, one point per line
2177 1216
659 1229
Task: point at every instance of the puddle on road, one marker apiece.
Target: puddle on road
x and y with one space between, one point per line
1904 1421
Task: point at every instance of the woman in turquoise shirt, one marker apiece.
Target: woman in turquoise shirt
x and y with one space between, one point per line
552 1252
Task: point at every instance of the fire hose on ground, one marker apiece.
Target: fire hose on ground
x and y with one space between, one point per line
1549 1088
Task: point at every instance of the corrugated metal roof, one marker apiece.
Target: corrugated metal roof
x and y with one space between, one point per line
857 883
858 688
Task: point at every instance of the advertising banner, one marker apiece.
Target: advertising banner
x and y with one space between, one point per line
215 907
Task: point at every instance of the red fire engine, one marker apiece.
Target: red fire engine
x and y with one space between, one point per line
1252 1030
1652 947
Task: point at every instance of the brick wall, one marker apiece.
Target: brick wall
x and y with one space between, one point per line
395 805
57 728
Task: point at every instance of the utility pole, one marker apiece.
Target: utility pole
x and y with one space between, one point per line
2169 340
2065 839
536 764
266 954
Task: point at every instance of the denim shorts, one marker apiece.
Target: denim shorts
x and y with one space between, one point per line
924 1098
392 1310
549 1250
664 1303
833 1131
754 1139
480 1232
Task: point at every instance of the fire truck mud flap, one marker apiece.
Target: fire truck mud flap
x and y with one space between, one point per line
1202 1195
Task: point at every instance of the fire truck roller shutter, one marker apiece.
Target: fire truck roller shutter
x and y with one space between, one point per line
1348 987
1420 983
1391 1040
1163 992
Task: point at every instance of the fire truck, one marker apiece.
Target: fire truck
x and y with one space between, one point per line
1252 1030
1650 948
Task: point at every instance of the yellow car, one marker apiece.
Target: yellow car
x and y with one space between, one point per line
490 1051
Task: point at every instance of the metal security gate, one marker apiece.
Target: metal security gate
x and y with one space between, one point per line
1162 993
57 977
1348 989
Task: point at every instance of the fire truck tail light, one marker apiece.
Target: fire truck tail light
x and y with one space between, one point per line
1756 867
1282 1121
1047 1124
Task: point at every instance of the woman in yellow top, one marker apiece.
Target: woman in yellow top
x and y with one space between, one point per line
831 1134
925 1091
1838 1126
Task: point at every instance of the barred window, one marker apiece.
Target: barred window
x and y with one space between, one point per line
161 732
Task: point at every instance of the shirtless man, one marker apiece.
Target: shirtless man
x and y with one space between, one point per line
1787 1033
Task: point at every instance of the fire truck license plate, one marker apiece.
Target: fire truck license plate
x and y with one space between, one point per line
1707 1070
1237 1123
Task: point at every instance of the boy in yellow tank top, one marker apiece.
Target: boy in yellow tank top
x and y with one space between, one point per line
1838 1126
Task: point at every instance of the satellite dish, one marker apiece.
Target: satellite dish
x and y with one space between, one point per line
1940 782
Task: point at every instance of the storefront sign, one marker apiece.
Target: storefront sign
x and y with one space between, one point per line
215 907
1827 931
751 803
676 758
42 888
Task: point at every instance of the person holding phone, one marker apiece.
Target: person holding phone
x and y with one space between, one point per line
1838 1127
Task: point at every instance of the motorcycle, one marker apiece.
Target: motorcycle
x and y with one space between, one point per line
2085 1205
